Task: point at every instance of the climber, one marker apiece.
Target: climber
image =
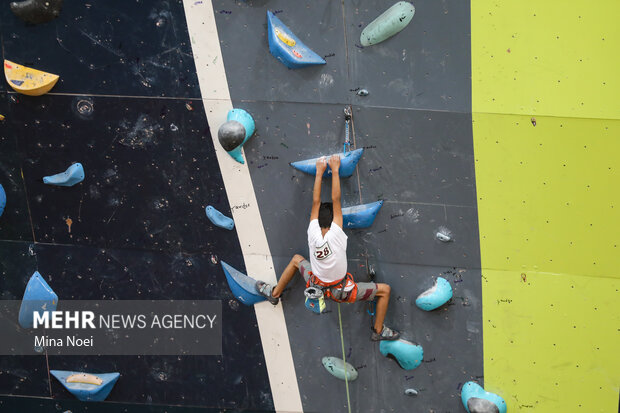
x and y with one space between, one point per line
327 268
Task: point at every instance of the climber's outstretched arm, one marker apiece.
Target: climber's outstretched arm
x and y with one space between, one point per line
334 164
321 165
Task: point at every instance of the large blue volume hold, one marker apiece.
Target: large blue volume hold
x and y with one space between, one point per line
38 297
348 162
407 354
436 296
73 175
287 48
244 118
87 392
360 216
242 286
219 219
2 199
477 400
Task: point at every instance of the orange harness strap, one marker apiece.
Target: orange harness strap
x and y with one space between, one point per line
339 284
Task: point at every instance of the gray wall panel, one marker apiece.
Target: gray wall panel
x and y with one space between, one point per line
254 74
415 127
426 66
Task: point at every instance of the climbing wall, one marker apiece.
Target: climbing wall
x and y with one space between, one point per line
127 107
527 193
416 131
546 135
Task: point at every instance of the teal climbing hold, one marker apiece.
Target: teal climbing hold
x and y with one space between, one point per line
339 368
87 387
245 119
73 175
390 22
2 199
436 296
242 286
219 219
408 355
477 400
38 297
287 48
348 162
360 216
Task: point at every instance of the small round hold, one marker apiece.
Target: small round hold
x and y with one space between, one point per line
231 134
85 107
362 92
411 392
233 304
444 234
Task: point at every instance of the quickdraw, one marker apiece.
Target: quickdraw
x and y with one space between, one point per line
347 120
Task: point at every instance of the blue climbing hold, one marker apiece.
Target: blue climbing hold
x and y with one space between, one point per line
436 296
348 162
360 216
87 387
2 199
73 175
287 48
407 354
476 400
242 286
38 297
247 121
219 219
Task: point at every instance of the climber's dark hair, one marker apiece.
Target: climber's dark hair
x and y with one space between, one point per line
326 214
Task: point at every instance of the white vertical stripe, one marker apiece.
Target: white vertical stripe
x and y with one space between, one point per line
216 98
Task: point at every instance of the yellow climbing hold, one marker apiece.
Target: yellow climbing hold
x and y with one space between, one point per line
84 378
285 38
28 81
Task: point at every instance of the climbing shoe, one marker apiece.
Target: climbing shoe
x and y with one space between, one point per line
386 334
265 290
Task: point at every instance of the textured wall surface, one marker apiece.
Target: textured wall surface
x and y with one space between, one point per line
498 123
546 138
415 127
127 107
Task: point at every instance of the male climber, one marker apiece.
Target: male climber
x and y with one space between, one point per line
327 268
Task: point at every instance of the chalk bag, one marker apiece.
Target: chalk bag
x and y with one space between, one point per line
315 301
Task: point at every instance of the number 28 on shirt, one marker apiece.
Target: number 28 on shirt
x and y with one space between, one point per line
322 252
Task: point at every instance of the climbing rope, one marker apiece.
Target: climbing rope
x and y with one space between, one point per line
346 380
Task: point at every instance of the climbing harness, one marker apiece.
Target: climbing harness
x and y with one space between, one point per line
347 120
317 290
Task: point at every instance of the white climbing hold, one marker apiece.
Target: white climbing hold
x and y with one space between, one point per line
444 234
